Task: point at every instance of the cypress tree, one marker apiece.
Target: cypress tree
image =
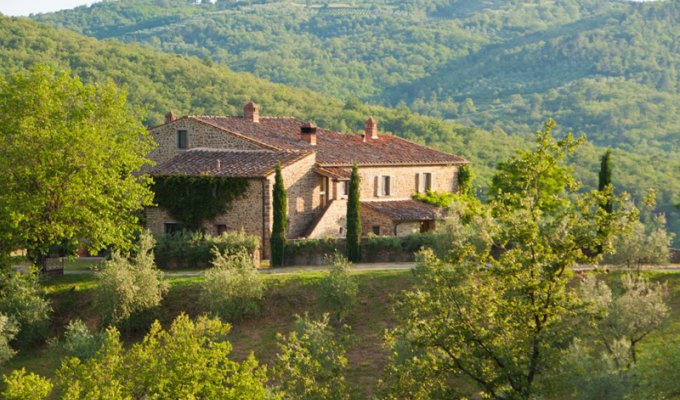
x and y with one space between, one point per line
354 218
605 177
277 240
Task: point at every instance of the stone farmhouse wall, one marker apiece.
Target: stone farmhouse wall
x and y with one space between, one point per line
198 135
444 179
333 223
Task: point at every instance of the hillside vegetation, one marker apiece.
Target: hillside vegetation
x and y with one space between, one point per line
159 82
607 68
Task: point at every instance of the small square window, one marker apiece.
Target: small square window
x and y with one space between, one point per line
376 229
220 228
172 228
182 140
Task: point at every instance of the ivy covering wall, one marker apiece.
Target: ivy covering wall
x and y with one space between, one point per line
192 200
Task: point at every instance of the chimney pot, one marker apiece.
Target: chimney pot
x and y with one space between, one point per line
308 133
170 117
251 112
371 128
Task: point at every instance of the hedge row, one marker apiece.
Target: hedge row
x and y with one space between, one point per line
194 249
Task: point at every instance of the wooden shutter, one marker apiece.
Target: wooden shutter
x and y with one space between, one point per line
378 183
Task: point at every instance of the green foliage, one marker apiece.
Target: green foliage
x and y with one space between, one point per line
354 216
311 362
8 331
501 320
192 200
232 288
80 341
280 221
128 285
603 364
189 360
605 175
465 177
69 152
537 173
646 243
20 385
23 302
339 289
186 249
442 200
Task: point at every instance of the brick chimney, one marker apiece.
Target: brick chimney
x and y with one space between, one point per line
251 112
170 117
308 133
371 128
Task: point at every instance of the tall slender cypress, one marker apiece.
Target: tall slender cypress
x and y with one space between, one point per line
277 240
606 177
354 217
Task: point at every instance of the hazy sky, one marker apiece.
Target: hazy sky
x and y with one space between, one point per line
25 7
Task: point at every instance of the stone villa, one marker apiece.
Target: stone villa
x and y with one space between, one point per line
316 165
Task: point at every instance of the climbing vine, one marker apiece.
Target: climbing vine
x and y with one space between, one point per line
192 200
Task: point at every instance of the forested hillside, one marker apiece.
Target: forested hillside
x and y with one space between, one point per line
159 82
607 68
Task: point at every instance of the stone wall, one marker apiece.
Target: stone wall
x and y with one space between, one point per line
198 135
333 223
303 193
371 218
444 179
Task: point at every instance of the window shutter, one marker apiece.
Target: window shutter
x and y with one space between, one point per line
418 179
430 183
378 189
393 185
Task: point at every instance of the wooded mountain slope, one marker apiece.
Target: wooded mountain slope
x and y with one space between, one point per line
604 67
159 82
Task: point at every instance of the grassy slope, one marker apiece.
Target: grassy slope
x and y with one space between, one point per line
286 296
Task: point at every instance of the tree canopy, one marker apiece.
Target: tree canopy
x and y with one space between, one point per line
68 156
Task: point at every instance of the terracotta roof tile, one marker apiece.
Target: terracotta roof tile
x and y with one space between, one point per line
333 148
338 173
232 163
404 210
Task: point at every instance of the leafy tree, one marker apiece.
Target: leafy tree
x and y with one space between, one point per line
465 179
339 288
311 362
501 321
232 288
8 330
22 301
603 364
280 222
80 341
189 360
68 157
130 285
354 217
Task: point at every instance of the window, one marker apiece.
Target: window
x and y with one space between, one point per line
384 185
344 188
423 182
220 228
182 142
172 228
376 229
300 204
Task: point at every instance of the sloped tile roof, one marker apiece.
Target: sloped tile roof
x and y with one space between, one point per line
232 163
403 210
339 173
333 148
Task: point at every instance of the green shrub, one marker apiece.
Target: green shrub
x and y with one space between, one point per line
21 299
232 288
339 289
311 362
647 244
130 285
80 341
8 330
186 249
